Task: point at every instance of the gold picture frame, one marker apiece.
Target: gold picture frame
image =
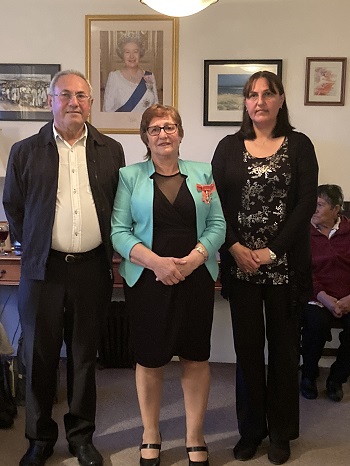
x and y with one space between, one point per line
160 36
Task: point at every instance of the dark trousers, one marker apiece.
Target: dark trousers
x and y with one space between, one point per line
69 304
267 399
317 323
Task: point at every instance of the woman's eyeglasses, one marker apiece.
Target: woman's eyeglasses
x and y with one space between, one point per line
168 129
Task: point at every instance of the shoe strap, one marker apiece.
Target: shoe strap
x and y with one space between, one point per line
153 446
192 449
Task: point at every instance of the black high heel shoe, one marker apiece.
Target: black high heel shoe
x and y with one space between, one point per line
150 461
197 463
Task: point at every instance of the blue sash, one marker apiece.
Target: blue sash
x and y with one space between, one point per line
136 96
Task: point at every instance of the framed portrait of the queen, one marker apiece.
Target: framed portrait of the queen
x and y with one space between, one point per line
131 63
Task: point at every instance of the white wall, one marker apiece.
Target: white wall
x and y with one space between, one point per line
44 31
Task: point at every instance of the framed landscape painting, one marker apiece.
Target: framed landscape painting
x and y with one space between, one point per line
223 85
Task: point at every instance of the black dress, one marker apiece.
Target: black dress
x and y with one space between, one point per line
172 320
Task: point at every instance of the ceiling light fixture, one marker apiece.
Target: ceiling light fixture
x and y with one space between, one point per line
178 7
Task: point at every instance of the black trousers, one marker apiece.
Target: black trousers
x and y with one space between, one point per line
316 330
267 399
69 304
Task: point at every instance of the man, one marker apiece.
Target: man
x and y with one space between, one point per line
58 197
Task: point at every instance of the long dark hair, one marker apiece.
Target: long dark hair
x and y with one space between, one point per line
283 126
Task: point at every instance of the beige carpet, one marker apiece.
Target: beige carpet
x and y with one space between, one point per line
324 437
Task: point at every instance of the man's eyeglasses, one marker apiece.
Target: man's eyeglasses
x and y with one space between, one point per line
168 129
68 96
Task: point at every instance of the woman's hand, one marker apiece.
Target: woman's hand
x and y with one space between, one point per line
167 270
164 268
264 256
344 304
247 260
331 303
190 262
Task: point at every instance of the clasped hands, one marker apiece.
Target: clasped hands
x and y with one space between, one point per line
249 260
172 270
338 307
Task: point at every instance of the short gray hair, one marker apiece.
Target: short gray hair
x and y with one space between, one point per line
331 193
59 74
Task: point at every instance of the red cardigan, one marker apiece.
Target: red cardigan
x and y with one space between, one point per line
331 261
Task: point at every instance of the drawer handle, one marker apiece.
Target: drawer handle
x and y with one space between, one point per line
2 272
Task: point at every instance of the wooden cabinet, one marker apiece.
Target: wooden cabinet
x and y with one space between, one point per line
10 273
10 270
118 281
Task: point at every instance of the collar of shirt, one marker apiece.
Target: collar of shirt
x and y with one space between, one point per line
335 228
83 136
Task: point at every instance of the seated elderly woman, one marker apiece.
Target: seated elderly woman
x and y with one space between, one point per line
330 241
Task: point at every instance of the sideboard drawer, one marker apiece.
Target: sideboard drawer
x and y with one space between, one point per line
10 273
118 281
10 270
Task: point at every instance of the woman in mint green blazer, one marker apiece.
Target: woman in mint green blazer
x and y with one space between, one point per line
168 225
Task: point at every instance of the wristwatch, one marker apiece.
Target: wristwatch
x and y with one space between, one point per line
273 256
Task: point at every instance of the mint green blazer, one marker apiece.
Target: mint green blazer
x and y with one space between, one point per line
132 216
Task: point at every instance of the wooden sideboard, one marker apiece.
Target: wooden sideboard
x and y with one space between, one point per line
10 270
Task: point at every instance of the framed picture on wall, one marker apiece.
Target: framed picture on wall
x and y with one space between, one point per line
5 241
131 63
325 81
223 85
23 91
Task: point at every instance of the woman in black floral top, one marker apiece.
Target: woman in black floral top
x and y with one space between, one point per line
266 176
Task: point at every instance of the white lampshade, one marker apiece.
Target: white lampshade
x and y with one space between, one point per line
178 7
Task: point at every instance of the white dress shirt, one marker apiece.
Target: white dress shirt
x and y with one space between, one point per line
76 227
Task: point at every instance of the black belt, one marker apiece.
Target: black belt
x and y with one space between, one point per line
71 257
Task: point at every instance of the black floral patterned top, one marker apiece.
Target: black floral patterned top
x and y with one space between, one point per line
263 210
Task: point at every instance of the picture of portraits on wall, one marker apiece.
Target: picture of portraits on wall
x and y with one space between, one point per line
131 64
23 91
